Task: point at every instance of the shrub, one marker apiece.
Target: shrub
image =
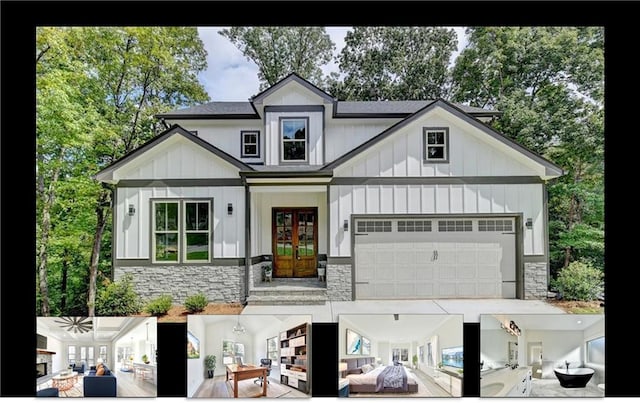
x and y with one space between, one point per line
159 306
579 281
118 299
196 303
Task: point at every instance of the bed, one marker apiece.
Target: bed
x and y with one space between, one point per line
380 379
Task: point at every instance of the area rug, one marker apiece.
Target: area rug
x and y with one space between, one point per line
247 388
76 391
422 392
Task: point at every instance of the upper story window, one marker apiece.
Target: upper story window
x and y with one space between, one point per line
293 132
435 144
187 239
250 144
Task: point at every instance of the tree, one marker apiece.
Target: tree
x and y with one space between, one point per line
114 80
395 63
279 51
549 82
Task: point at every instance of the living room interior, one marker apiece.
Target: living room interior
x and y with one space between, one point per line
231 356
427 347
96 356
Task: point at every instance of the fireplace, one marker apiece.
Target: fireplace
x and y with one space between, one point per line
41 369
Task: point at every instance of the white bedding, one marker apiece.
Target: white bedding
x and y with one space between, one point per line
370 377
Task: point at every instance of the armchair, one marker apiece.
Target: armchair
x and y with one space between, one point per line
264 362
78 367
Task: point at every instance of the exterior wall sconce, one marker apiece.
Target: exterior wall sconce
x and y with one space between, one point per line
529 223
229 209
132 209
345 226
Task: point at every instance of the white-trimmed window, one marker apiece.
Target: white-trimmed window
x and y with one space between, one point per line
272 349
435 144
250 143
102 353
71 354
181 231
293 135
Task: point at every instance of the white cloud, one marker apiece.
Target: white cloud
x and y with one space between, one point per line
231 77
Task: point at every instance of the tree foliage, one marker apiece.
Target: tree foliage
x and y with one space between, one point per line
98 90
549 84
395 63
279 51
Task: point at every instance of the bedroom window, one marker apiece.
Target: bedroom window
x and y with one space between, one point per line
181 231
435 144
250 144
293 132
400 354
272 349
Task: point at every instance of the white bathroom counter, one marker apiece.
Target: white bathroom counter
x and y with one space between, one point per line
510 378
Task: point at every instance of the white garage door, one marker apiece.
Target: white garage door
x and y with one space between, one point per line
405 258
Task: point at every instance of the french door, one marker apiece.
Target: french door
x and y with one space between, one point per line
295 242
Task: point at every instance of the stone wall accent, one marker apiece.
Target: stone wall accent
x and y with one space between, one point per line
45 359
535 280
339 282
218 283
255 274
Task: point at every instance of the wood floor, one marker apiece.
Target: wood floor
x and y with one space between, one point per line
435 389
218 387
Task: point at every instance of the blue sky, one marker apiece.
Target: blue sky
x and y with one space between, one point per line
231 77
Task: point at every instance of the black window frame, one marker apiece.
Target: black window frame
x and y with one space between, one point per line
242 143
445 145
281 140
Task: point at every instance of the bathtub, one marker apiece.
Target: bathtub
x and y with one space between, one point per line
573 377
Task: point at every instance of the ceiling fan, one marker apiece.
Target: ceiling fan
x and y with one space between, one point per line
80 324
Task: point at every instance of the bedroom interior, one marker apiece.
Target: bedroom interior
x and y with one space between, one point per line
243 346
392 355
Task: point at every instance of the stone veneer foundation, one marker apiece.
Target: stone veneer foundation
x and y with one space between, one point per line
217 283
339 284
535 280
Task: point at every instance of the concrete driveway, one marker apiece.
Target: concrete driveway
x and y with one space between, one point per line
470 308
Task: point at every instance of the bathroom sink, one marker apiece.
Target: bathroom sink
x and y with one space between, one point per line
491 389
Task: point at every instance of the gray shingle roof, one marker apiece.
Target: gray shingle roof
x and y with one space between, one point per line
344 108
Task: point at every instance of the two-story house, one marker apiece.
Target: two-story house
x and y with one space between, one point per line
400 200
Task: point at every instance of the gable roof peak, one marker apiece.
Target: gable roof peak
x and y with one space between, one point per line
293 76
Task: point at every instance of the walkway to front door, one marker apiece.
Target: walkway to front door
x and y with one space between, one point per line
295 242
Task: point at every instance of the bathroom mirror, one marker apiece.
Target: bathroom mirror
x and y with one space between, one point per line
513 353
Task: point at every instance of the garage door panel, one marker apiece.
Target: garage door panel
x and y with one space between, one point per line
466 272
423 258
406 273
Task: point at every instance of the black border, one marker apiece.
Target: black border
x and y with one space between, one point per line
17 296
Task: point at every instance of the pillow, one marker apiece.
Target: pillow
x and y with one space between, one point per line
107 371
100 371
354 371
366 368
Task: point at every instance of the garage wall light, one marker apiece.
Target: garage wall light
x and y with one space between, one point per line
132 209
229 209
345 225
529 223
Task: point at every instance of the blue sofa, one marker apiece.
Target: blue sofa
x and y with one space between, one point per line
100 385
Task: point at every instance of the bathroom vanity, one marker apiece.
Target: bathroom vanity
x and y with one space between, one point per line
506 382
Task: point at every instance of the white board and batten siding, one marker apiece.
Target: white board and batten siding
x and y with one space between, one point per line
471 153
273 141
225 134
134 232
176 158
346 200
343 135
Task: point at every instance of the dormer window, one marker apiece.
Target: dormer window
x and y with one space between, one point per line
435 144
250 146
293 135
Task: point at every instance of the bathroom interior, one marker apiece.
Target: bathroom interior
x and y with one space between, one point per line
542 355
